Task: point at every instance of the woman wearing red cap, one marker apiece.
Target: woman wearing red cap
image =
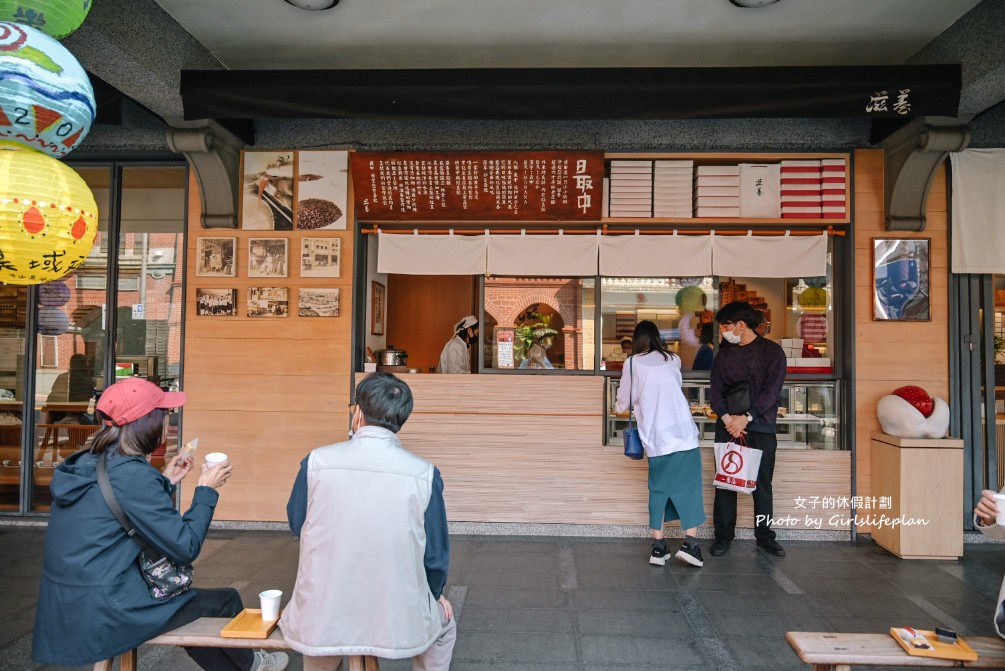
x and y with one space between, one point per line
93 603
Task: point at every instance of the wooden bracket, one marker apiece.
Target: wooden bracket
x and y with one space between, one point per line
214 153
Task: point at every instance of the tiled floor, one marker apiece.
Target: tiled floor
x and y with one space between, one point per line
578 604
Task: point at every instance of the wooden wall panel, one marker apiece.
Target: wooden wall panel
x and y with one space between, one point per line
265 390
422 310
891 354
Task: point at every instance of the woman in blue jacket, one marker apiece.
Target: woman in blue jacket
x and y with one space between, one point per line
93 603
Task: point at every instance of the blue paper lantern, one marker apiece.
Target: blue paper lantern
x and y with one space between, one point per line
56 18
53 294
46 99
52 321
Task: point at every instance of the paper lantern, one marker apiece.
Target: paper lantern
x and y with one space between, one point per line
46 100
813 298
52 321
56 18
48 217
53 294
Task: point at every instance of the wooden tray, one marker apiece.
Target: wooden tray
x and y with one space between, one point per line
960 650
249 624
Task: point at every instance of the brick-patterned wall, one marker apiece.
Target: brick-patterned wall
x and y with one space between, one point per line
506 298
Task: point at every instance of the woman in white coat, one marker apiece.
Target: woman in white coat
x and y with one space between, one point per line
651 382
985 519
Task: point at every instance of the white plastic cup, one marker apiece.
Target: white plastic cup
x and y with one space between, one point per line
216 458
1000 500
270 604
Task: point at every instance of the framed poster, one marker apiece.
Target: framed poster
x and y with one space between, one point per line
267 257
377 306
215 257
268 301
901 276
318 302
267 179
322 190
216 302
319 257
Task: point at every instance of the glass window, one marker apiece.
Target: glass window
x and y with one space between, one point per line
13 319
539 323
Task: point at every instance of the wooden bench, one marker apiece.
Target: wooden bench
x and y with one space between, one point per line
205 633
839 652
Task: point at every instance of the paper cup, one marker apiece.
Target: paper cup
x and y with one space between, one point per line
1000 500
270 604
216 458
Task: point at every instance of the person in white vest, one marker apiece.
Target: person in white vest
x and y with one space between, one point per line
985 519
455 358
374 549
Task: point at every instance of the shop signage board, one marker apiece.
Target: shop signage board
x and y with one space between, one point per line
478 186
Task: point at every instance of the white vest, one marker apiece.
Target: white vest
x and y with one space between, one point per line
361 584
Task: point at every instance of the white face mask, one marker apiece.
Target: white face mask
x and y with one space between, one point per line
731 337
352 420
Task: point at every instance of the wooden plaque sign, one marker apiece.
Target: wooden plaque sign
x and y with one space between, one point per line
478 186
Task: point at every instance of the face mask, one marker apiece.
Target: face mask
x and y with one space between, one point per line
352 420
731 337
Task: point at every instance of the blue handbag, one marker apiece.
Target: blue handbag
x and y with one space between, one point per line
633 442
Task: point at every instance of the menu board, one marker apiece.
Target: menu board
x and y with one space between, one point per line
478 186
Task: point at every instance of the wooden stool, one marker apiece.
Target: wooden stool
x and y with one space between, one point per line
127 662
361 664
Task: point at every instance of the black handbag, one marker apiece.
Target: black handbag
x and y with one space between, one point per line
164 578
633 441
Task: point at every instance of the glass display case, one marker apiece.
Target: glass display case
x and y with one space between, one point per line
808 414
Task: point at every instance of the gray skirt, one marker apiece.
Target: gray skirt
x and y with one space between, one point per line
675 491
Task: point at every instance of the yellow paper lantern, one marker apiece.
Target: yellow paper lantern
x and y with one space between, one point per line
48 217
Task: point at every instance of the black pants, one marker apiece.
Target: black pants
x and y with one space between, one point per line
724 509
225 602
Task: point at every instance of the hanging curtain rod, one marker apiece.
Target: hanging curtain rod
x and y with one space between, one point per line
830 230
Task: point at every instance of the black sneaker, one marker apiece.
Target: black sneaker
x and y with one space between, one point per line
719 548
771 546
659 554
690 553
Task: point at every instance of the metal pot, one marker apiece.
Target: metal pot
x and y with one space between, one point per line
391 357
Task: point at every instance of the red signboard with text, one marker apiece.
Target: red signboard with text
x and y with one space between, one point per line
478 186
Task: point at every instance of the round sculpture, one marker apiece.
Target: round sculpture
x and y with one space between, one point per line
48 217
902 414
56 18
46 99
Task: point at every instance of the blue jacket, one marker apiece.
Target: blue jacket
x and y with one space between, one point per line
93 603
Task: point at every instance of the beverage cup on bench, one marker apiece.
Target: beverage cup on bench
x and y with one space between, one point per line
216 458
1000 500
270 604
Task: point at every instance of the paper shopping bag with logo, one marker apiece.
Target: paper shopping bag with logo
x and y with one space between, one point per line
736 466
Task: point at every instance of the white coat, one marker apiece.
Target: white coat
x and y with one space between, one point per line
995 531
663 414
454 358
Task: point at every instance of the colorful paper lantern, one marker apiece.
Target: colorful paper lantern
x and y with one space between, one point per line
56 18
46 99
48 217
53 294
52 321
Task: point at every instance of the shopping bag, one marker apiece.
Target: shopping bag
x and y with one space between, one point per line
736 465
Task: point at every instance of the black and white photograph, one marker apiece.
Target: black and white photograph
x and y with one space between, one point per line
215 257
319 257
319 302
267 257
267 179
322 190
268 301
216 302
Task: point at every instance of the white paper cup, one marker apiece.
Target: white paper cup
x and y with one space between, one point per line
1000 500
270 604
216 458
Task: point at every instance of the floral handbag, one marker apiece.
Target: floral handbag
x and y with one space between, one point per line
164 578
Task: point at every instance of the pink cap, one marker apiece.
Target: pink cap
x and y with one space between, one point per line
132 398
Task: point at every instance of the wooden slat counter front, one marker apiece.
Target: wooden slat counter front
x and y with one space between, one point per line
529 448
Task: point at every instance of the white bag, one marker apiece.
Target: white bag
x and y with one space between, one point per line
736 466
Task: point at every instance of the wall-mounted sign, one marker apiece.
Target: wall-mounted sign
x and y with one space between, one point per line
478 186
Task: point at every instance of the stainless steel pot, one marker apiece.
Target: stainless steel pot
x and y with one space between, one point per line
391 357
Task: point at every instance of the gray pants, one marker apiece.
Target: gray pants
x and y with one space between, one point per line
435 658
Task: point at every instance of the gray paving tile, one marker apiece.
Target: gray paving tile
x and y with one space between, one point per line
728 602
737 584
509 666
864 624
824 584
636 562
829 567
630 623
504 546
517 562
516 620
657 578
507 578
760 624
613 599
488 597
507 647
681 651
875 606
767 652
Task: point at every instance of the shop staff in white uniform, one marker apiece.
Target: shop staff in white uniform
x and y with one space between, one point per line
455 358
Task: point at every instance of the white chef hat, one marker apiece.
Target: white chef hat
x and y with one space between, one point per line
466 322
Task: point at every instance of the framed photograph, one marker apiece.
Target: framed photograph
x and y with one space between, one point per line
216 257
267 179
268 301
216 302
377 305
267 257
318 302
322 190
319 257
901 277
